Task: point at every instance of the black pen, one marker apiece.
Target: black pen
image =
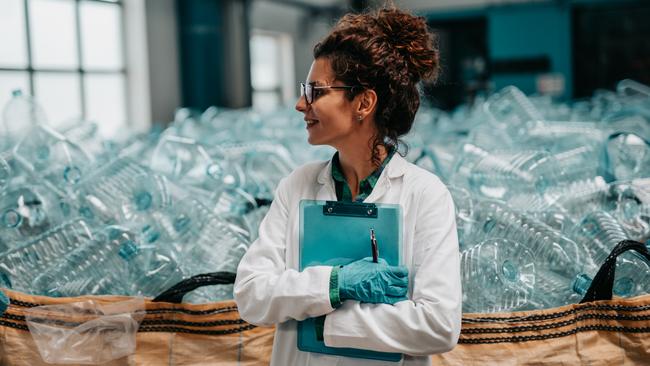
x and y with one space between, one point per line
373 244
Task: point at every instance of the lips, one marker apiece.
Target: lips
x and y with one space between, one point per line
311 122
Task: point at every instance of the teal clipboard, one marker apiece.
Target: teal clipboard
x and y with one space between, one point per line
337 233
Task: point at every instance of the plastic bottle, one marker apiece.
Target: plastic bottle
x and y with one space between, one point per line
632 207
498 275
21 114
599 233
182 159
26 211
579 197
252 221
464 206
123 190
632 88
156 266
20 265
263 164
47 153
209 244
264 167
510 108
501 174
558 259
578 162
626 156
5 173
114 262
188 163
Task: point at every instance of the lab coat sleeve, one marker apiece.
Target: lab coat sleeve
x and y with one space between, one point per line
266 291
430 321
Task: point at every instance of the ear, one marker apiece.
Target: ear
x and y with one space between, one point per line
367 103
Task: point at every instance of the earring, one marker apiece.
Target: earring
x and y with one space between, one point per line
360 118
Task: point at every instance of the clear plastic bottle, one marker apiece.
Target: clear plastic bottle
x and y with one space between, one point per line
122 190
564 133
578 162
501 174
558 259
579 197
252 221
26 211
182 159
464 206
264 167
20 265
5 173
262 164
116 261
156 266
627 156
557 220
48 154
497 275
632 88
209 244
86 134
21 114
510 108
599 233
632 207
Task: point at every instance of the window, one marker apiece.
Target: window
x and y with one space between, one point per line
271 69
69 54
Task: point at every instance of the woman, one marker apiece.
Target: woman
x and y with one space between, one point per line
360 96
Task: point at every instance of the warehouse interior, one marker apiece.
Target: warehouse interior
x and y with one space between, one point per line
167 173
165 54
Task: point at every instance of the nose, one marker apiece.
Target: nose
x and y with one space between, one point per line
301 104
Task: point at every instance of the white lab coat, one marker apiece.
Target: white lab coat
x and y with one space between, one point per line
269 289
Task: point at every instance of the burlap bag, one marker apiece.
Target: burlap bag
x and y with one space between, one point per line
598 331
170 333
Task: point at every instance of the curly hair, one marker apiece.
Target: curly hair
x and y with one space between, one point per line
389 51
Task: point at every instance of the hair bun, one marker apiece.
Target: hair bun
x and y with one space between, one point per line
411 37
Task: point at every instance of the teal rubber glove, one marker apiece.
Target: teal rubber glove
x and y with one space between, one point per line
370 282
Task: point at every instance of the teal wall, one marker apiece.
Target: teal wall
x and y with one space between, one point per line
201 34
531 30
523 31
215 63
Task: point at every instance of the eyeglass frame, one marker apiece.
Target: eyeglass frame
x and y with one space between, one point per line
303 90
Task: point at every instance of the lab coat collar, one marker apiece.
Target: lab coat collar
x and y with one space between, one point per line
396 168
325 175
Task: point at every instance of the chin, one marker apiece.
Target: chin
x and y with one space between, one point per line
313 141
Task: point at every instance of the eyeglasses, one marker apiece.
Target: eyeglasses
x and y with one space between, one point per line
307 90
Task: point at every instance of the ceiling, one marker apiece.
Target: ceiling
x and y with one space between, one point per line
407 4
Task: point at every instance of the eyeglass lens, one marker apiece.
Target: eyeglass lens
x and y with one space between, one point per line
306 90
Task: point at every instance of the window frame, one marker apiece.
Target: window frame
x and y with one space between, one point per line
80 71
285 88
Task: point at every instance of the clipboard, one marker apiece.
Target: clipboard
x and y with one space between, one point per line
337 233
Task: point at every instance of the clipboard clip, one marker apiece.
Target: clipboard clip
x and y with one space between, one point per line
352 209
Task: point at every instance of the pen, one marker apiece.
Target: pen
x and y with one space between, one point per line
373 244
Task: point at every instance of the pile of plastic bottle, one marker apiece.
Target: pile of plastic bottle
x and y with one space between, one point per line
543 191
83 215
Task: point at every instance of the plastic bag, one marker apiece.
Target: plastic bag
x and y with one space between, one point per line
86 332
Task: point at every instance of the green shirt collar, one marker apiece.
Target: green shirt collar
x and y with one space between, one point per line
343 192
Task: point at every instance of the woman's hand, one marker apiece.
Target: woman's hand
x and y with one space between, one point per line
370 282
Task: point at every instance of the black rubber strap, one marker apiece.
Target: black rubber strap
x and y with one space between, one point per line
603 283
263 202
176 293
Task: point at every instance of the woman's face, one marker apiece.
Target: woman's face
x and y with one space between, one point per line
330 117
